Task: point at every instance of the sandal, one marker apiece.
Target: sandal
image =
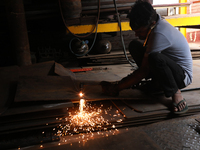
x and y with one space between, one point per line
184 110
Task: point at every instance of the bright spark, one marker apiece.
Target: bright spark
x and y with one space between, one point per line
81 94
88 118
81 105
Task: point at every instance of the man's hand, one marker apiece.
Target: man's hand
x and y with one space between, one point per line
109 88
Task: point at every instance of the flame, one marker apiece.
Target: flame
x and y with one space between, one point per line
81 105
87 118
81 94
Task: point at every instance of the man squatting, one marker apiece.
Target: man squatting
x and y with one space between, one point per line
164 57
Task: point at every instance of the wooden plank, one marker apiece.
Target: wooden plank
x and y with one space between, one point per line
94 92
62 71
21 108
160 102
56 113
46 89
9 77
39 69
97 77
147 105
28 124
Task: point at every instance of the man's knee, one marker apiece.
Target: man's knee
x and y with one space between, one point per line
156 59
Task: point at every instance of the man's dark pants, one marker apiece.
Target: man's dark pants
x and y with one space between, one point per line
162 69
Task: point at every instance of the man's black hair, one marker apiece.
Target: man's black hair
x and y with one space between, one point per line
142 14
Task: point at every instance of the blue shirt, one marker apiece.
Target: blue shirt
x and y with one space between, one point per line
167 40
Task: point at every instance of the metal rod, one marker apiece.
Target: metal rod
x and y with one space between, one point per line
118 109
191 89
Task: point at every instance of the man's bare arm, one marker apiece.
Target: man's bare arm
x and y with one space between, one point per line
136 76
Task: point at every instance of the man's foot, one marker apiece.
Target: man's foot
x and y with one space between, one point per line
180 105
